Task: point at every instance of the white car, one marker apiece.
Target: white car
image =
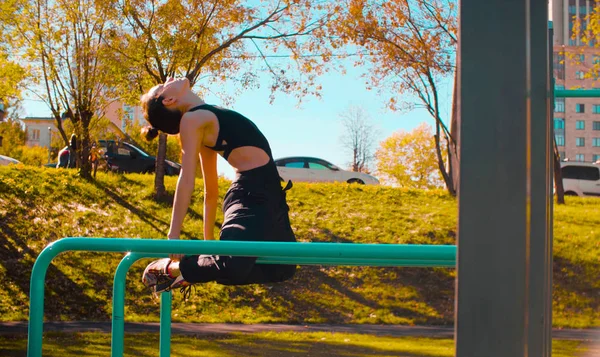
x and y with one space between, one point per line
581 178
310 169
5 160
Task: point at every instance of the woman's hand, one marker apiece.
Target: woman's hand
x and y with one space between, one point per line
176 257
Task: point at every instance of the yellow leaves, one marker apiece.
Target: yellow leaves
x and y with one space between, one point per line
408 159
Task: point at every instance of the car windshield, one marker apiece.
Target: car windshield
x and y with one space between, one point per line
137 150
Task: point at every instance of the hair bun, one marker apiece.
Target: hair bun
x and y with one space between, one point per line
149 132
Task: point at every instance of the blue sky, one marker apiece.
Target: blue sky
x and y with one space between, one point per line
313 128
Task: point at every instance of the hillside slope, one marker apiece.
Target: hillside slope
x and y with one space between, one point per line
39 206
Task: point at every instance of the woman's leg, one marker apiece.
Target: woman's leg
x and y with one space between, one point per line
251 214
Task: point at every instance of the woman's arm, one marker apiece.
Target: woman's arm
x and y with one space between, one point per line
191 139
211 189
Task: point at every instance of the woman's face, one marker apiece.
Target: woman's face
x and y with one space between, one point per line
171 88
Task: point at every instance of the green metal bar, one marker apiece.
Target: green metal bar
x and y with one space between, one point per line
165 324
297 253
118 313
577 93
262 250
360 262
36 300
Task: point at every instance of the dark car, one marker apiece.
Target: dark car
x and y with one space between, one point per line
122 156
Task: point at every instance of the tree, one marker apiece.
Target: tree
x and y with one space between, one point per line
409 159
213 41
13 136
410 46
12 74
358 138
63 43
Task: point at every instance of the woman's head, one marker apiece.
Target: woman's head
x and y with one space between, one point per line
162 106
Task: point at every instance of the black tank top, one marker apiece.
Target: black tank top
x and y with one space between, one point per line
235 130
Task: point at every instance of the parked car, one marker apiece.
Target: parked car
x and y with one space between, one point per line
311 169
5 160
581 178
122 156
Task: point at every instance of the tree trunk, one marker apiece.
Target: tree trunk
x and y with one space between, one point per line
453 147
159 179
83 148
447 178
558 182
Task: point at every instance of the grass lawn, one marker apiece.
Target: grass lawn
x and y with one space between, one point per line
268 344
39 206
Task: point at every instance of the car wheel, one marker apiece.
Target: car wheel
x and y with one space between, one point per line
355 180
570 193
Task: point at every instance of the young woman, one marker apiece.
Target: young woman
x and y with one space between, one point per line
254 207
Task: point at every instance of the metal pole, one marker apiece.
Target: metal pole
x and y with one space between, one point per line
494 83
118 313
35 328
539 177
577 93
165 324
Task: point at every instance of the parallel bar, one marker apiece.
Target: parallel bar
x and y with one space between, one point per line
359 262
118 313
119 288
260 249
293 253
165 324
577 93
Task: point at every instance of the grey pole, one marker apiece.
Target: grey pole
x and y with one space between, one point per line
539 340
499 93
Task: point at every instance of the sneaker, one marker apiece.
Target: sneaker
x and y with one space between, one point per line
156 277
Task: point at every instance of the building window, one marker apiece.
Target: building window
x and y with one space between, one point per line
596 125
579 157
581 58
559 105
596 158
560 140
596 108
579 141
595 59
580 125
559 123
596 142
35 135
561 155
559 65
579 75
580 108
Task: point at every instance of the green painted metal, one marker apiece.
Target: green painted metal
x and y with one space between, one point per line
577 93
119 288
165 324
268 253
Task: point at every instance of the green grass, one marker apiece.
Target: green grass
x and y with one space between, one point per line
39 206
267 344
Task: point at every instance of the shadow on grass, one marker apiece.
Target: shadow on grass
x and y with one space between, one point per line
144 216
578 279
63 296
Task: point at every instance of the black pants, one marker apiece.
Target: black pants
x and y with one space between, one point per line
255 209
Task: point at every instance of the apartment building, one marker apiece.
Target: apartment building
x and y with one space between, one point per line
576 120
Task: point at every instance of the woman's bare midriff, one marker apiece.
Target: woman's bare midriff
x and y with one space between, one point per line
247 158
